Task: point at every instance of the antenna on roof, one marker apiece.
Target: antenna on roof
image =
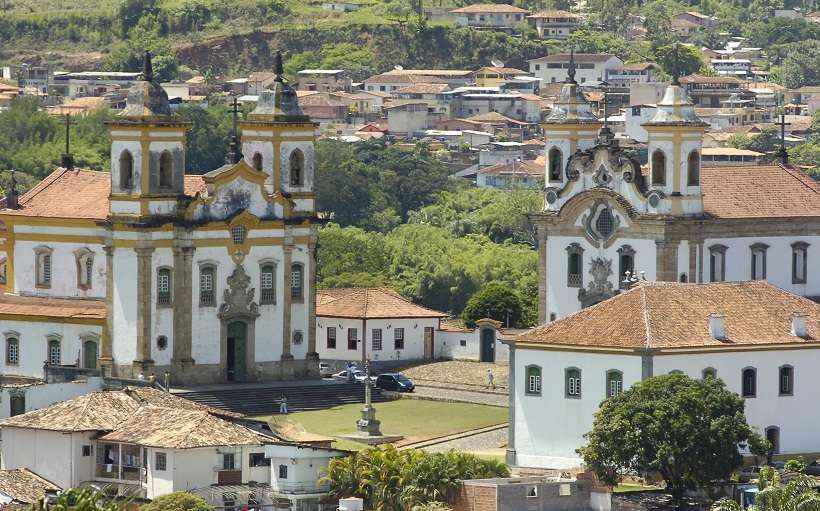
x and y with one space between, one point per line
67 160
571 69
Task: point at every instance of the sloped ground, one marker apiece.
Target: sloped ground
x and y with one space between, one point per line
459 375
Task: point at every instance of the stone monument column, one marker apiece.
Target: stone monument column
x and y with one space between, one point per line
183 303
144 280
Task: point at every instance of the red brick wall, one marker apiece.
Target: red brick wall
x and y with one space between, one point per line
475 498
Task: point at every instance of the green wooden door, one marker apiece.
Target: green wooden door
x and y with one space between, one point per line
90 355
237 347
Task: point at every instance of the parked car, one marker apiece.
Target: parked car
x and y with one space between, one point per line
394 381
358 375
813 468
324 370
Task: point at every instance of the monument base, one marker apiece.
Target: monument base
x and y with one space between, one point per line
364 438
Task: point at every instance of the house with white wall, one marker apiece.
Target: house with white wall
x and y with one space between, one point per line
19 397
762 341
376 324
589 67
503 16
481 343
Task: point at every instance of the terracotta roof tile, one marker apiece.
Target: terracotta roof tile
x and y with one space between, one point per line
555 14
759 191
424 88
394 77
52 307
368 303
671 315
476 8
77 193
24 486
529 167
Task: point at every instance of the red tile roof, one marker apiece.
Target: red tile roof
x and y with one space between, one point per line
671 315
66 308
478 8
369 303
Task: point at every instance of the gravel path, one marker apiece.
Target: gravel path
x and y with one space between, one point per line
491 442
464 396
458 372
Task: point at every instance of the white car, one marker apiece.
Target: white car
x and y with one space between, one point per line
358 375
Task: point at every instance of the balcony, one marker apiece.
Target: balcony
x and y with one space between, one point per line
120 463
299 488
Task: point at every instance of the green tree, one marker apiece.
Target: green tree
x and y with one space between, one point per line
798 493
177 501
689 431
678 60
495 301
81 499
208 137
767 141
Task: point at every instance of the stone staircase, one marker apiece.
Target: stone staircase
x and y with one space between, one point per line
265 400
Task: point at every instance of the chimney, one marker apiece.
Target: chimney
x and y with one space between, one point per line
717 326
800 325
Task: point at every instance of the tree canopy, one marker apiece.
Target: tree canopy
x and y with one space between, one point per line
495 301
177 501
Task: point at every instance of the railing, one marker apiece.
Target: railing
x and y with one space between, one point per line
286 488
116 472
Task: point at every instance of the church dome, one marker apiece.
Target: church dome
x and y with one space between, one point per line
279 103
571 107
675 109
146 98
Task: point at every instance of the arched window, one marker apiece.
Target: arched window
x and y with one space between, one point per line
43 266
297 167
758 261
717 263
709 372
658 168
555 164
572 383
786 383
126 170
800 250
749 382
257 161
297 282
532 381
85 268
166 170
54 351
164 286
207 287
626 263
773 436
614 382
693 169
90 352
12 351
267 291
575 265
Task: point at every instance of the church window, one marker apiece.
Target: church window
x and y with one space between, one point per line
257 161
126 170
786 383
575 264
166 170
693 169
43 269
54 357
717 263
85 268
555 164
238 234
267 293
331 337
709 372
658 168
164 286
626 263
297 167
532 381
614 383
296 282
605 223
207 293
12 351
800 252
749 382
758 251
572 382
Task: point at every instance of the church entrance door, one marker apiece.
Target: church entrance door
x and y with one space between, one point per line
236 352
90 355
488 345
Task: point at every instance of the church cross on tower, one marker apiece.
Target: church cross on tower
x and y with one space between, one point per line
67 160
234 155
571 69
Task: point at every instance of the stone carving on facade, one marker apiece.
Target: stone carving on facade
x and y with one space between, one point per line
576 164
599 288
600 222
602 177
237 299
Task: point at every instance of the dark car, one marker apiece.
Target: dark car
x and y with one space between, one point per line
813 468
394 381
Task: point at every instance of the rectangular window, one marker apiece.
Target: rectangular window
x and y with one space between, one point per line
283 471
331 337
266 289
398 337
86 451
12 352
160 461
207 296
377 339
534 384
228 461
296 282
758 263
47 269
164 287
717 268
786 381
352 337
799 262
258 459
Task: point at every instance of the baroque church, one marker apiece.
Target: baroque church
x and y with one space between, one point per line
608 221
147 269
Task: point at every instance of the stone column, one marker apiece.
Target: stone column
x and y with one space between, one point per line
543 285
183 303
106 359
144 280
287 309
511 391
311 282
666 261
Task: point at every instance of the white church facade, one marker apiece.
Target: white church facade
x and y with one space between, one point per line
147 269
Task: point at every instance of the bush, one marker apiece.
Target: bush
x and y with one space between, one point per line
177 501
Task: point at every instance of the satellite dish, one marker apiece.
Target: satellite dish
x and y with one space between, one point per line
398 68
497 63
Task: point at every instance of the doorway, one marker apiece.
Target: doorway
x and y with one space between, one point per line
89 355
428 343
235 369
488 345
773 436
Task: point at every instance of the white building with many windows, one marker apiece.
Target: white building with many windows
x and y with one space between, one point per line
762 341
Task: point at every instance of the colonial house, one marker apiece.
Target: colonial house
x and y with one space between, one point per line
554 24
496 76
589 67
713 91
762 341
377 324
323 80
628 74
512 175
677 220
503 16
147 269
22 488
151 443
391 81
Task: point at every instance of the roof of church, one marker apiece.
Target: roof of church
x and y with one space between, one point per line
759 191
69 308
369 303
24 486
77 193
673 315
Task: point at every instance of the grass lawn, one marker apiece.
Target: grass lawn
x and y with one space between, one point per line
414 419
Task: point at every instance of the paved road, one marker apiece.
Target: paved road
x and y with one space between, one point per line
464 396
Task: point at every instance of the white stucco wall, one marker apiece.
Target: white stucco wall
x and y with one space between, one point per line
46 394
466 345
63 264
34 345
54 455
413 338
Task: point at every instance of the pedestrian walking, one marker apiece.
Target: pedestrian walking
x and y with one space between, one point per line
283 405
490 379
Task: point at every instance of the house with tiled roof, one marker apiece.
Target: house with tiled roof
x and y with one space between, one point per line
589 67
22 488
149 443
554 24
356 324
763 342
498 16
146 269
